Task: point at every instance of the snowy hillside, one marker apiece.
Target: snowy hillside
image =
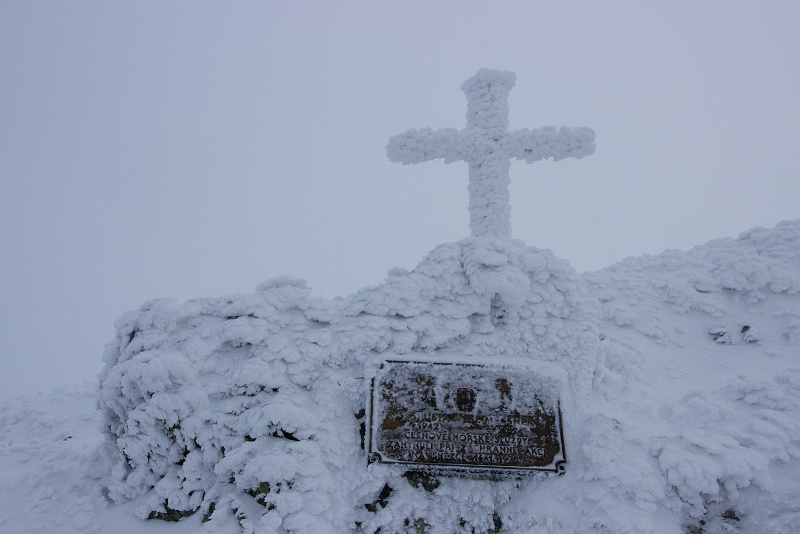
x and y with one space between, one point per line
679 376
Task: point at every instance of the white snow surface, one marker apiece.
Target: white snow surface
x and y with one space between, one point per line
679 381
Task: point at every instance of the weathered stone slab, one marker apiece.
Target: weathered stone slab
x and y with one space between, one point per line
466 418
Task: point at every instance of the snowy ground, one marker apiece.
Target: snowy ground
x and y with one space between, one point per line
47 457
690 422
47 447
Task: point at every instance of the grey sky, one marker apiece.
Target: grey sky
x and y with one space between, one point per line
183 149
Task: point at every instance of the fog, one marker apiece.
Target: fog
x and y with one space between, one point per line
186 149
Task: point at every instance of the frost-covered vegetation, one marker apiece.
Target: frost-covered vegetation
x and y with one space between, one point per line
680 390
254 405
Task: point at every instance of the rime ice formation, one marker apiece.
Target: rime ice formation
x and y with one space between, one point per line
247 409
487 146
677 377
259 398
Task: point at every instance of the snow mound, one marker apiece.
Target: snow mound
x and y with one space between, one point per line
698 383
254 404
679 384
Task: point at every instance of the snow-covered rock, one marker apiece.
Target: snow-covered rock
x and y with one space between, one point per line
253 405
680 394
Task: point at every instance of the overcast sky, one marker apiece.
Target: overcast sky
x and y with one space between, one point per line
184 149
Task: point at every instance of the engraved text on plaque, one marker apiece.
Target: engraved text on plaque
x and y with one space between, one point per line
465 417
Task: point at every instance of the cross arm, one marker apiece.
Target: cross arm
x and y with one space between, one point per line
424 144
549 142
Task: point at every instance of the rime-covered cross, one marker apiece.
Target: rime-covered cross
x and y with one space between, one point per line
487 146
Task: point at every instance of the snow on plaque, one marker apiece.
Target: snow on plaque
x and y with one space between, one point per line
458 418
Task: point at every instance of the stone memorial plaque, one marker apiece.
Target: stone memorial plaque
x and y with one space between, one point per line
450 417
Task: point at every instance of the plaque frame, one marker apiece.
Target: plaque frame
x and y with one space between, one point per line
466 468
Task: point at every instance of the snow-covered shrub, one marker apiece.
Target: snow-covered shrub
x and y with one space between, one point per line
254 404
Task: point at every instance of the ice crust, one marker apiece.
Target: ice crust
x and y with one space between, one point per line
207 401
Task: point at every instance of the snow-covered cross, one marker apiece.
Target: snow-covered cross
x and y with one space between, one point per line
487 146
